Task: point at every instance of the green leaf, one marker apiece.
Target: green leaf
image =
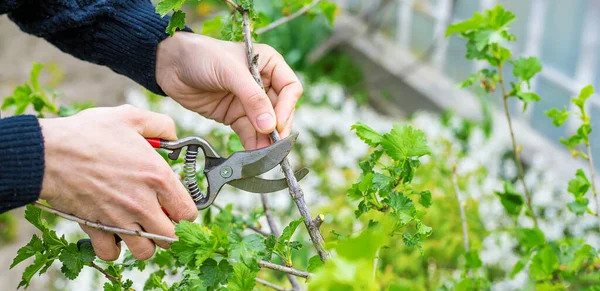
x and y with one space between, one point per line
543 264
579 185
213 27
584 94
155 281
473 23
519 266
33 215
585 254
234 144
367 134
195 242
74 259
328 9
249 250
34 246
425 199
526 68
405 142
289 230
243 278
165 6
37 265
512 201
177 21
403 207
528 97
530 238
314 263
213 274
579 206
472 260
559 117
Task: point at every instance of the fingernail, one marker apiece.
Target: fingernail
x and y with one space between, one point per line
265 122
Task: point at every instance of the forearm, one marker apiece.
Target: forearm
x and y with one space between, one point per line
120 34
21 161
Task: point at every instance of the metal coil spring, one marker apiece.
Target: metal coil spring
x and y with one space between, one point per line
189 174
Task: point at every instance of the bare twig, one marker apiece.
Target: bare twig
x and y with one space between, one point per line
288 18
294 187
269 265
275 232
271 285
593 176
319 220
461 207
112 229
155 237
514 145
106 274
269 215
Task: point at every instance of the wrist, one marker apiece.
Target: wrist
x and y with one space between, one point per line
51 139
169 54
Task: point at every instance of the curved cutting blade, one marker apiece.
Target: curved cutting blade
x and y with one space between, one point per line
257 162
259 185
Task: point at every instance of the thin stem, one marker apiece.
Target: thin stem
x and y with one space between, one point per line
106 274
288 18
275 232
155 237
593 177
514 145
463 217
269 265
271 285
294 187
112 229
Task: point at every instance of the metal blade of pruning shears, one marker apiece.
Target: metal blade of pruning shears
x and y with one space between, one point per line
259 185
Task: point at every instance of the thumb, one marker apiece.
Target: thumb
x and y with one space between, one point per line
148 123
255 101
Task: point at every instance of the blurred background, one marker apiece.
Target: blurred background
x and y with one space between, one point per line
382 61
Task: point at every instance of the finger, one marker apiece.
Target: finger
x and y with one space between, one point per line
255 101
288 98
287 129
160 224
141 248
104 243
148 123
235 110
246 132
262 141
175 199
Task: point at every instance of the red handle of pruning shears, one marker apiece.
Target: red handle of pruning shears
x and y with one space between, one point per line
154 142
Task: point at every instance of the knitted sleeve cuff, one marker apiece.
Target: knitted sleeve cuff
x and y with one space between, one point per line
122 35
21 161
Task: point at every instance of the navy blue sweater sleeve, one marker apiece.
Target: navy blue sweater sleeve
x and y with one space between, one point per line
120 34
21 161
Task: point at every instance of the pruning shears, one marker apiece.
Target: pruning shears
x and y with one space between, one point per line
240 170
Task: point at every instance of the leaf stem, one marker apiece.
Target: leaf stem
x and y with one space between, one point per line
106 274
152 236
288 18
294 187
516 150
593 176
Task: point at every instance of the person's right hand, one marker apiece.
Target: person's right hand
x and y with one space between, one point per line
99 167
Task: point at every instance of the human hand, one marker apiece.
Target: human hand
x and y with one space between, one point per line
211 77
99 167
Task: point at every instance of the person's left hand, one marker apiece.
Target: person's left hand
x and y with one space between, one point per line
211 77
